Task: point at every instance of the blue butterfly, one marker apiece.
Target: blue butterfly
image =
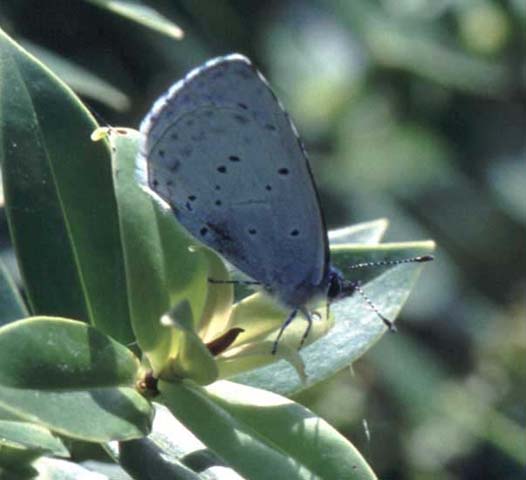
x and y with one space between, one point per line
222 153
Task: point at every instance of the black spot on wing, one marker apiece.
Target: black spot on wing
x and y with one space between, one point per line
241 119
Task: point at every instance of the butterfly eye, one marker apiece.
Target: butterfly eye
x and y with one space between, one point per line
335 284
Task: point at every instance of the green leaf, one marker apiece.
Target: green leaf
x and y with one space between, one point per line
189 357
72 379
163 265
143 459
170 451
356 327
142 14
262 435
366 233
6 415
21 443
81 80
11 304
258 353
31 437
59 198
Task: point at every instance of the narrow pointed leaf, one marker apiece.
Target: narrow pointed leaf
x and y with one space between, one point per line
142 14
80 79
59 198
256 354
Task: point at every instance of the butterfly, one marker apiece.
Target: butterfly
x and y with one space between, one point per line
220 151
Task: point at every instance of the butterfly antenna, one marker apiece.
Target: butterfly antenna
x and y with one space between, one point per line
383 263
358 288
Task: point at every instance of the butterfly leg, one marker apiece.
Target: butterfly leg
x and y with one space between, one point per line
285 324
308 317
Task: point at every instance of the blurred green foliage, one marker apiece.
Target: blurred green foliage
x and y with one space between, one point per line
413 110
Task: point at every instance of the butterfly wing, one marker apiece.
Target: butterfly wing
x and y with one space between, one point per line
220 150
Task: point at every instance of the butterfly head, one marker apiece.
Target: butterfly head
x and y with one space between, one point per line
336 285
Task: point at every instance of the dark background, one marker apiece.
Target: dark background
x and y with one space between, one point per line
414 110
